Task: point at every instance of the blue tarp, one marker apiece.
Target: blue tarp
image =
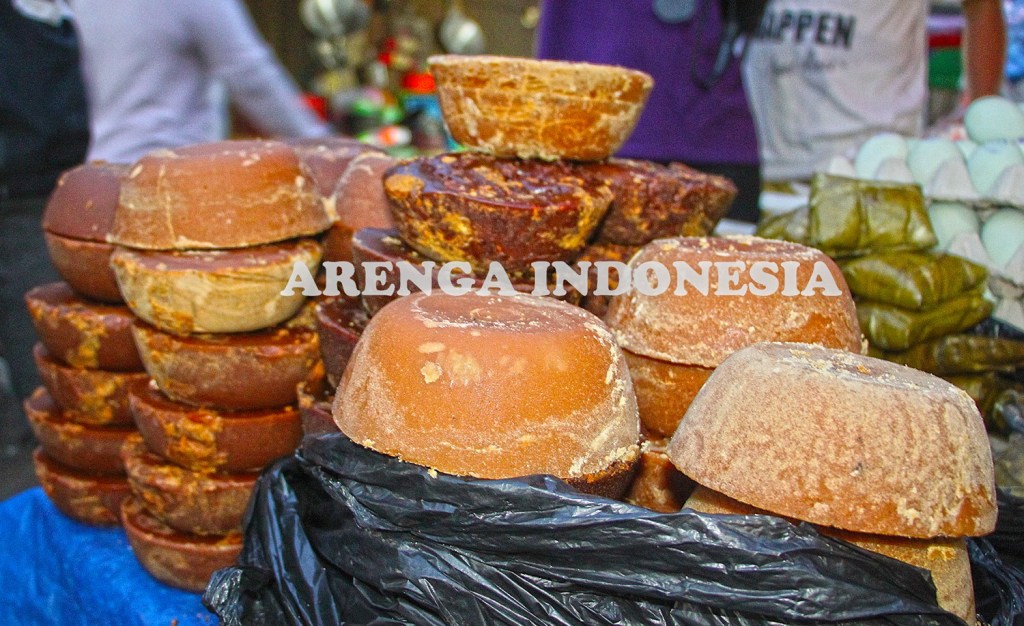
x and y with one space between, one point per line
56 571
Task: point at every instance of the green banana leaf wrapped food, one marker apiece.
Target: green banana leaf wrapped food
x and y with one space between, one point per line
912 280
985 390
893 328
962 354
790 226
851 217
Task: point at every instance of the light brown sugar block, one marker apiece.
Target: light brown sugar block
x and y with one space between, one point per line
490 386
227 194
358 201
85 265
539 109
92 397
205 439
698 329
658 485
91 449
946 559
178 559
214 291
83 203
664 390
89 498
200 503
327 158
842 440
315 401
83 333
339 322
76 223
255 370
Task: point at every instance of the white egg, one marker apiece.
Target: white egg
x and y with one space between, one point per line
951 219
989 161
1002 233
877 149
1008 188
926 157
967 147
894 170
839 166
993 117
951 181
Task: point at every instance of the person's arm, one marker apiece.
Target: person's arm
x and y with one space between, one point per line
258 85
984 47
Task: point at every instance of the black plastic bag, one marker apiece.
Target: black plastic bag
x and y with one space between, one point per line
339 534
997 566
1008 538
998 588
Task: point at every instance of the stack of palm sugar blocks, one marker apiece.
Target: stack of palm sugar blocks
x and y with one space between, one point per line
538 182
207 238
86 357
674 341
348 174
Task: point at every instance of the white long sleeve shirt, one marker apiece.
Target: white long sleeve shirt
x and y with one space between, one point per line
150 67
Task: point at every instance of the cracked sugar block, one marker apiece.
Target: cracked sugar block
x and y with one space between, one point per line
89 498
479 209
205 439
841 440
80 447
82 333
538 108
651 200
92 397
182 560
491 387
200 503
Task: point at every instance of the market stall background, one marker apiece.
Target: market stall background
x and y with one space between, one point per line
96 554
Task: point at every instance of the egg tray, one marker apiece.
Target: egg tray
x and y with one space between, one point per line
949 183
1005 284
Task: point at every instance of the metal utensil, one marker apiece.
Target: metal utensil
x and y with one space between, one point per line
459 33
332 18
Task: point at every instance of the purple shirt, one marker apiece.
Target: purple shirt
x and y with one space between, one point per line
682 120
149 66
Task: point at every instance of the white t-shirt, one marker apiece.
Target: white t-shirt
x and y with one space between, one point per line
824 75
